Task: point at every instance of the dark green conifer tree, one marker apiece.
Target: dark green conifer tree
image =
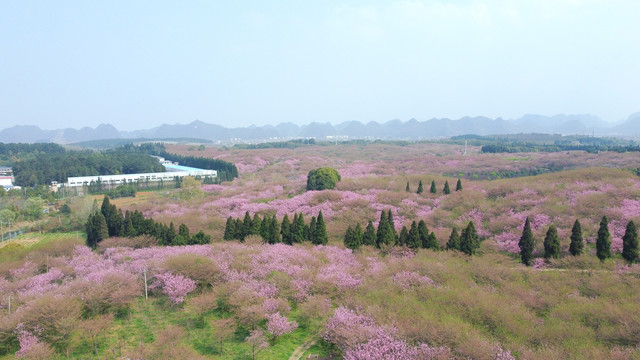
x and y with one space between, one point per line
433 187
256 224
384 235
96 228
285 230
469 242
112 218
552 244
526 244
454 240
264 228
171 234
239 234
312 230
446 189
297 230
432 241
246 225
577 243
407 188
369 237
321 236
274 231
420 188
459 185
423 234
392 224
183 237
403 237
603 242
413 237
358 234
349 241
630 243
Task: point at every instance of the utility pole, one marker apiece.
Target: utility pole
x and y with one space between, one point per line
146 295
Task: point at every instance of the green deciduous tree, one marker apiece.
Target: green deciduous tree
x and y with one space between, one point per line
526 244
603 242
323 178
552 244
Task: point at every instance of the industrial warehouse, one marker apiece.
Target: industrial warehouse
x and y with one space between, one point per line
173 171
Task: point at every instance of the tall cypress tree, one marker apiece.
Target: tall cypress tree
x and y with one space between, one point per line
312 230
392 224
358 234
264 228
239 233
256 224
413 240
420 188
246 225
552 244
577 243
469 242
454 240
230 229
630 243
112 218
433 187
403 237
321 231
446 189
385 235
603 242
274 231
459 185
526 244
407 188
285 230
96 228
298 229
369 237
423 234
349 239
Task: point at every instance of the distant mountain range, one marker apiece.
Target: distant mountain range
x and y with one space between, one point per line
394 129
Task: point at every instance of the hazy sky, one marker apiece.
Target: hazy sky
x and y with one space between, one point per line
138 64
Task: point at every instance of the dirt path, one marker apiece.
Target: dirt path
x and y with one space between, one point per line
300 350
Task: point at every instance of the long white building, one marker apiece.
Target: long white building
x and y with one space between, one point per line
127 178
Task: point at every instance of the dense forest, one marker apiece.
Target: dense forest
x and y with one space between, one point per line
9 153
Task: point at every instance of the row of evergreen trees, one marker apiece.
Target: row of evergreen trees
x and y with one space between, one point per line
445 190
273 232
109 221
576 247
417 236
